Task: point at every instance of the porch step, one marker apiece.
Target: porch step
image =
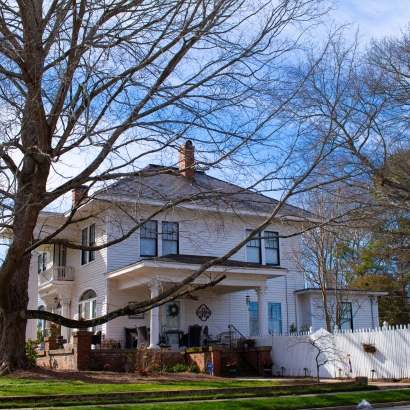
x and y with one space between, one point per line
243 368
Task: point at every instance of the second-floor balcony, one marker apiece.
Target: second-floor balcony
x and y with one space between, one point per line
56 273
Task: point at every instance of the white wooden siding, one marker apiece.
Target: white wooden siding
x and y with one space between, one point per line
313 314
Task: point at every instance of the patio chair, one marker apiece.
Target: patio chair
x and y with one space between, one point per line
142 333
194 336
96 338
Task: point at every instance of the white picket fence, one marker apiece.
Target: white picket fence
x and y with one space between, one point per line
391 359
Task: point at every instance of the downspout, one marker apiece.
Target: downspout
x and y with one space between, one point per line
371 309
287 307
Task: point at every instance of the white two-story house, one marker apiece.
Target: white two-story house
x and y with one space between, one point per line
262 293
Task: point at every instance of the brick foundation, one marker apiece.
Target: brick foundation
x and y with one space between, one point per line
82 357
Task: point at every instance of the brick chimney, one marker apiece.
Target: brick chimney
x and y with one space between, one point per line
77 193
187 159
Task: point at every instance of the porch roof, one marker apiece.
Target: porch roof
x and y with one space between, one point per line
346 291
171 268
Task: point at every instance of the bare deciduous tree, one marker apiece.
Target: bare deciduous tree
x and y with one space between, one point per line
90 91
324 347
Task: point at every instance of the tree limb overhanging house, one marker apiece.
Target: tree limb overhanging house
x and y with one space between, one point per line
262 291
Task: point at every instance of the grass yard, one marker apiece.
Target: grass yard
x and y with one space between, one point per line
194 398
24 387
280 403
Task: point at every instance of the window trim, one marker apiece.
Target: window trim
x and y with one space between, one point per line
280 320
265 233
45 259
91 242
93 306
344 311
87 235
167 233
262 238
256 238
142 230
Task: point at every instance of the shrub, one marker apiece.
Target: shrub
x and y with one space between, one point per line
193 368
31 346
179 368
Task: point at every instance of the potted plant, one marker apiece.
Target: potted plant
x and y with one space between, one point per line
54 330
369 347
110 343
267 367
231 365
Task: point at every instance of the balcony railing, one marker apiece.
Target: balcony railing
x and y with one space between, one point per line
56 273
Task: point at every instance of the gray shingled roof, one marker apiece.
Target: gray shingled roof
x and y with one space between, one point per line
164 184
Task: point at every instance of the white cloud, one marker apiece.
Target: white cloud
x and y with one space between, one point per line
374 18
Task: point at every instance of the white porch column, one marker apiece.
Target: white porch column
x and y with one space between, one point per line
154 318
48 308
262 310
65 311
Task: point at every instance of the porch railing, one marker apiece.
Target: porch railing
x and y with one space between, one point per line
56 273
245 347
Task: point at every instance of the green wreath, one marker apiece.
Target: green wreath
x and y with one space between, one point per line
173 309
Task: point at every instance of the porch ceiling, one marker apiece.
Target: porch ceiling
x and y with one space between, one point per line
238 274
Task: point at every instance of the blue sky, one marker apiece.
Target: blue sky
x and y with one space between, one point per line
375 18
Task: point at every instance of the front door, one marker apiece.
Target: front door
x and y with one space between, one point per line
173 321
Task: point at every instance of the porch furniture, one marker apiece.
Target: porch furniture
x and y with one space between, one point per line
221 339
174 336
131 337
96 338
194 336
142 333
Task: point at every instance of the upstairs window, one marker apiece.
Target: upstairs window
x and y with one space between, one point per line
253 248
87 239
148 239
263 248
272 248
170 238
91 242
42 260
62 256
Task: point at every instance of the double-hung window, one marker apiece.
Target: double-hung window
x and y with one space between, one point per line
272 248
275 317
263 248
346 316
43 259
170 233
253 318
87 306
253 248
87 239
149 239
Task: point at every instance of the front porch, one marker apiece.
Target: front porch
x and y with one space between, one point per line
211 310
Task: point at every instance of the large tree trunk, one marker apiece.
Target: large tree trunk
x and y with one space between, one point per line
12 326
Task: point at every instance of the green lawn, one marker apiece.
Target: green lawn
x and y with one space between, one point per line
22 387
280 403
182 397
